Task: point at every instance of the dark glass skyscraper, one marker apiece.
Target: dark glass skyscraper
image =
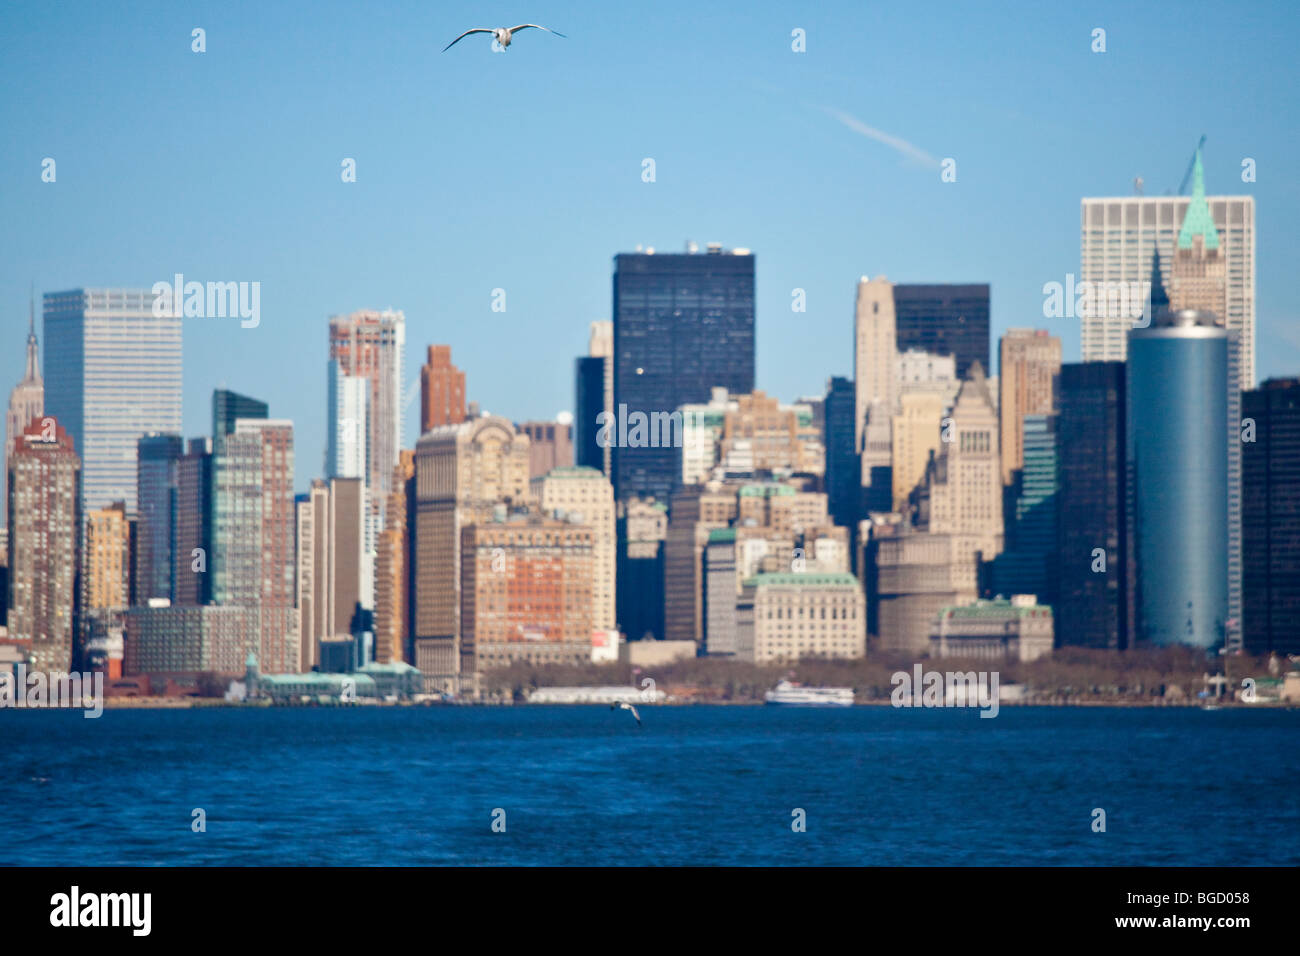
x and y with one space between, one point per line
1178 400
228 406
1093 565
588 402
843 488
156 469
1270 521
683 325
946 319
1031 519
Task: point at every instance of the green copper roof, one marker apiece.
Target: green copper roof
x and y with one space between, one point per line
808 580
1198 221
722 534
573 471
765 491
992 609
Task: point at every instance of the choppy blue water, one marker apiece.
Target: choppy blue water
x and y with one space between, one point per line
695 785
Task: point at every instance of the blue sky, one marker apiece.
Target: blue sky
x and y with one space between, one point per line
522 170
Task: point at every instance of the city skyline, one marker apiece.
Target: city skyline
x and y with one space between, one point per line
273 208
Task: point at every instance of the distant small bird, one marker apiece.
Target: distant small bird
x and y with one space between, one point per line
500 34
624 705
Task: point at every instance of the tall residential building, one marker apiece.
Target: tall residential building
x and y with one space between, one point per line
526 592
347 453
600 345
683 325
1178 398
371 345
192 541
1118 237
842 470
442 390
875 376
584 496
252 560
331 564
106 560
1271 517
393 568
44 528
947 319
463 474
1094 566
1029 361
112 374
550 445
228 407
157 470
27 400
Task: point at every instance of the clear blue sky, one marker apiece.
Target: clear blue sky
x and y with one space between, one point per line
522 170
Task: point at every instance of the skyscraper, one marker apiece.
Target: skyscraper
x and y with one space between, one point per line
842 470
330 527
1199 281
875 377
27 400
585 496
1029 361
157 460
442 390
371 345
228 407
1271 517
463 473
593 394
44 528
106 564
112 374
947 319
252 564
393 569
1094 565
1177 388
683 324
1119 236
1023 568
192 527
550 444
961 494
347 453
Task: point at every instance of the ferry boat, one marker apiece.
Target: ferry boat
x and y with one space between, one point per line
795 695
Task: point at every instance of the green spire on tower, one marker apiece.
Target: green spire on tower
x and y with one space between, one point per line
1198 220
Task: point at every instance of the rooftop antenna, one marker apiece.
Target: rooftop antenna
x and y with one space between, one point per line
1137 186
1182 189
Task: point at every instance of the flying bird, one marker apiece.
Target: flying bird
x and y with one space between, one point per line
624 705
501 34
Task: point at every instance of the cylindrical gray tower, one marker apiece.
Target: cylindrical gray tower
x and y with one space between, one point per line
1177 389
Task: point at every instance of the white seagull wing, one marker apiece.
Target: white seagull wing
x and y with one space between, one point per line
464 35
525 26
634 713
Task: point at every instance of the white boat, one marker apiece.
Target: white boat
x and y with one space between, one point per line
795 695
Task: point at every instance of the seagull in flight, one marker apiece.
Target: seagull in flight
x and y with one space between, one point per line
501 34
624 705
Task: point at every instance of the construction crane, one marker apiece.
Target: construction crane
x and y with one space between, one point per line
1182 190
